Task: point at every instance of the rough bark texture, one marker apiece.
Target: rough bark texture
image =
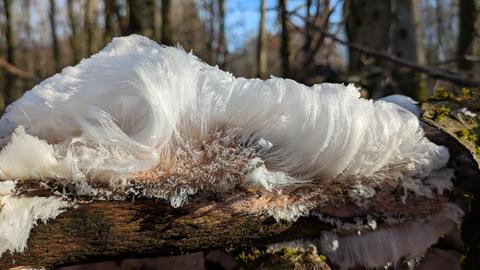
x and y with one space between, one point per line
406 43
361 17
459 133
110 229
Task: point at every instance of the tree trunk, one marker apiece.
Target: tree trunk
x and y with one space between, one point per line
28 46
262 42
367 24
109 229
74 41
13 90
166 23
110 12
53 31
210 8
141 17
91 26
476 41
406 43
466 18
222 43
285 39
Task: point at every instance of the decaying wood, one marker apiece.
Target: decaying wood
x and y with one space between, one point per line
101 230
109 229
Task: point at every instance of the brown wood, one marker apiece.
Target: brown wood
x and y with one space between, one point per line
103 230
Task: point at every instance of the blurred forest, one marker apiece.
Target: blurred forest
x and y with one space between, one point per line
385 46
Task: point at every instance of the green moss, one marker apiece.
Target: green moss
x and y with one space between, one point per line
284 258
467 135
441 94
288 252
465 93
441 112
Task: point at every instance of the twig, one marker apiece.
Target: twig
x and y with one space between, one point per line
17 71
437 73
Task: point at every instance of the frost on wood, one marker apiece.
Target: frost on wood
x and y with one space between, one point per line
139 118
19 215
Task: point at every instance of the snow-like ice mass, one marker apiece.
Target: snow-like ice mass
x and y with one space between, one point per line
129 108
119 111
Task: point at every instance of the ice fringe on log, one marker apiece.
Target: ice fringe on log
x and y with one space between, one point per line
142 120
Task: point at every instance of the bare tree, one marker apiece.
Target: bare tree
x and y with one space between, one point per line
91 25
367 23
314 40
27 46
166 23
406 43
285 39
222 46
210 8
262 42
111 11
74 39
142 17
53 30
13 91
308 32
466 18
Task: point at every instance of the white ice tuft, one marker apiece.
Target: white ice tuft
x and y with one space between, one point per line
117 112
377 248
19 215
405 102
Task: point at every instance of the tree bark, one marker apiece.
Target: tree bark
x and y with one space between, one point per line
210 9
13 91
222 51
91 26
28 43
104 230
53 30
468 13
141 19
406 43
166 23
74 41
367 23
285 39
110 12
262 42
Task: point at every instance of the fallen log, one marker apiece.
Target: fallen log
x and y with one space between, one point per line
108 229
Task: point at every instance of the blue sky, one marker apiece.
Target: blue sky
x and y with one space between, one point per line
242 19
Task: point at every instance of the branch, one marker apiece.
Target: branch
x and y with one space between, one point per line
103 230
437 73
17 71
